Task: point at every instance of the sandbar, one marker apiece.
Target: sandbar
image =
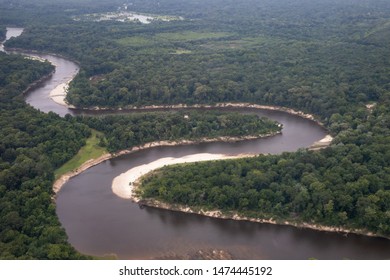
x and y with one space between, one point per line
58 94
321 144
123 185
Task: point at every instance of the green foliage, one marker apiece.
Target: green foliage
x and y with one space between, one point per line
91 150
191 36
32 144
322 57
125 131
345 185
2 33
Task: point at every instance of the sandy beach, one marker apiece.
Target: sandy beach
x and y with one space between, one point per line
321 144
328 138
58 94
123 185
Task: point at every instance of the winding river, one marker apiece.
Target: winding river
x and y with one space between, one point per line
100 223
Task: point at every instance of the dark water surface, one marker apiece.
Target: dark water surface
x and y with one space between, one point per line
98 222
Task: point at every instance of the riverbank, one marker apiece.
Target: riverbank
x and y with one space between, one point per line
38 83
213 106
235 105
321 144
91 150
58 184
59 93
27 52
238 217
127 184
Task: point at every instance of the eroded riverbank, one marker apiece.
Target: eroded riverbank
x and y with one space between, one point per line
233 215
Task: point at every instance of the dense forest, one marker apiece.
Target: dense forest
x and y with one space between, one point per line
124 131
346 185
2 33
329 58
323 58
32 145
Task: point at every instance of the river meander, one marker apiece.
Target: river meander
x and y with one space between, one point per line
100 223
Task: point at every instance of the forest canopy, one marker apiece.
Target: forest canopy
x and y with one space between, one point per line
346 185
125 131
32 145
323 58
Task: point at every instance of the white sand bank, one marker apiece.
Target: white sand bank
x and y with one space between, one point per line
59 93
122 185
326 139
323 143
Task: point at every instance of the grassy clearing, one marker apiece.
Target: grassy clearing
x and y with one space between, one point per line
242 43
91 150
182 51
192 36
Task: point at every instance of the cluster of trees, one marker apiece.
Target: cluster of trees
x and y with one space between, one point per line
345 185
125 131
32 145
2 33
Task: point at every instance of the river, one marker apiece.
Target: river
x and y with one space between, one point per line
100 223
